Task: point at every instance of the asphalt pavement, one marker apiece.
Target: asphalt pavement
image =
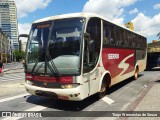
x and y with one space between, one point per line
146 106
13 67
148 102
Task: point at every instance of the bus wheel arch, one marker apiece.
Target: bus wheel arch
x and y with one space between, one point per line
104 85
136 72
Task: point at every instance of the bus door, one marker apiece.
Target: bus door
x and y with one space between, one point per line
92 46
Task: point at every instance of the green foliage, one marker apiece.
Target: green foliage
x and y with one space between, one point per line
19 55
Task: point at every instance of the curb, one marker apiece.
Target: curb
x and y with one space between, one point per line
10 63
12 73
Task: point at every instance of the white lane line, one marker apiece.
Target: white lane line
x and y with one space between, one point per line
37 108
12 76
108 100
14 97
13 79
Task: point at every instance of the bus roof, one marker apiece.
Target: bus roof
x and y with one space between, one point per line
86 15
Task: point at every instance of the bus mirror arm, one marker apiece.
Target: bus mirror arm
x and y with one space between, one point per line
23 35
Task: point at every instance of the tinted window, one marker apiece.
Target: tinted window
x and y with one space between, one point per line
94 29
119 37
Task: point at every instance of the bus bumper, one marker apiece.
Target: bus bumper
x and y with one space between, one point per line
74 94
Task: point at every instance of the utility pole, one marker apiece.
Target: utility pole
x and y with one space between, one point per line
20 45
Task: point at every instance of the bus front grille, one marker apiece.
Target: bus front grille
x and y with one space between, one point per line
47 84
46 94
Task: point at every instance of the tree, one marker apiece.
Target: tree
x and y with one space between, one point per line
19 55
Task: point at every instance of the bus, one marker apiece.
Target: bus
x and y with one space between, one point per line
74 56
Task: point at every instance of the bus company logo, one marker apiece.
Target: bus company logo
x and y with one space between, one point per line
113 56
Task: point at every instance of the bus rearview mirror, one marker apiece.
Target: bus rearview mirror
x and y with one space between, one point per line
23 35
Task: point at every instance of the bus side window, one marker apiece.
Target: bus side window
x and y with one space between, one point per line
106 34
112 35
121 38
106 38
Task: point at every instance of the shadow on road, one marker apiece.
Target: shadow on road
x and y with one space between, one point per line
157 81
153 69
62 105
121 84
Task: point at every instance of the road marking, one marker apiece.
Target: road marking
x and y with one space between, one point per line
14 97
37 108
108 100
13 79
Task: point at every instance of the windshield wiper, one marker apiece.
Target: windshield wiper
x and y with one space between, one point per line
52 67
36 62
39 67
46 57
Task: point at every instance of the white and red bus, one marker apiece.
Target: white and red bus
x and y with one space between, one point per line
74 56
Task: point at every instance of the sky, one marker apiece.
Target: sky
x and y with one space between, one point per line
145 14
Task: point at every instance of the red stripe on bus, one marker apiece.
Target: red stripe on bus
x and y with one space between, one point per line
65 79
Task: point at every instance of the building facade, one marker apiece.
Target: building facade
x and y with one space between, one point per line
5 54
24 46
154 46
8 20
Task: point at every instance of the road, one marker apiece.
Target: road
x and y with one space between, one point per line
12 65
121 97
16 75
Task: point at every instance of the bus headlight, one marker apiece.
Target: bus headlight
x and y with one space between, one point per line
29 82
69 86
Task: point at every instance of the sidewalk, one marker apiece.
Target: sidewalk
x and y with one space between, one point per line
151 101
148 101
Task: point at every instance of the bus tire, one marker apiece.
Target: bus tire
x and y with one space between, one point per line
104 86
103 89
136 73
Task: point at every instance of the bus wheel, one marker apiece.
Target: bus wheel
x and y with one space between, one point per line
136 74
103 89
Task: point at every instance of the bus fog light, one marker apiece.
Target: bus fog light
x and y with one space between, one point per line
76 95
69 86
29 82
71 95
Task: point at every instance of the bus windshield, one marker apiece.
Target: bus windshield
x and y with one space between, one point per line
55 47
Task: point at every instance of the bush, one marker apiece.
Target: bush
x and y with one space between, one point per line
19 55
